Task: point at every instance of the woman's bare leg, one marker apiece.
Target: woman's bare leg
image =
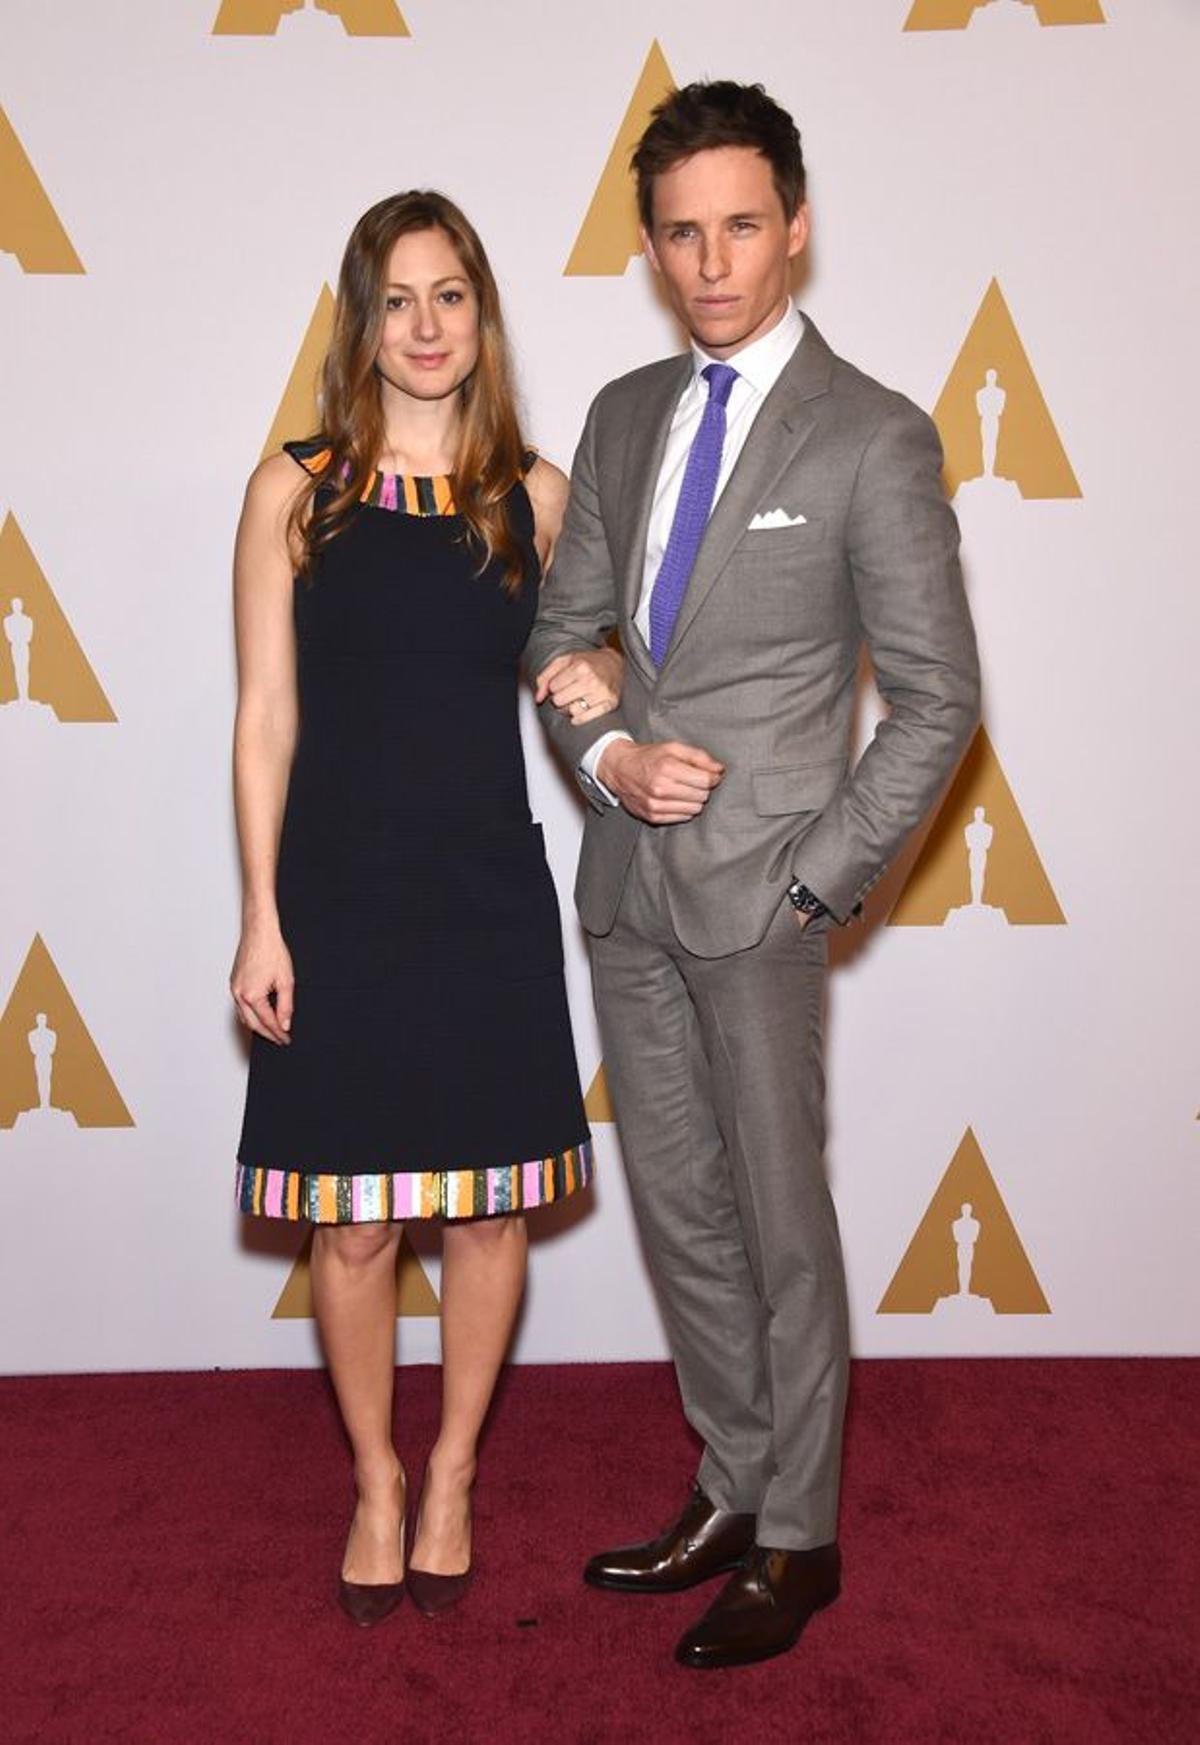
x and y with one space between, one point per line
354 1294
483 1277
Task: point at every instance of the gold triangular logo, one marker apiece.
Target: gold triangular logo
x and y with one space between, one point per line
51 1072
995 426
30 228
298 414
957 14
608 238
415 1296
262 17
978 869
965 1262
597 1105
43 670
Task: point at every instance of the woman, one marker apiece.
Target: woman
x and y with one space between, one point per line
400 960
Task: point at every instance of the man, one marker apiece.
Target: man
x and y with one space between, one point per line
745 516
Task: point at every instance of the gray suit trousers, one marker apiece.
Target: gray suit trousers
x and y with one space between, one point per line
718 1087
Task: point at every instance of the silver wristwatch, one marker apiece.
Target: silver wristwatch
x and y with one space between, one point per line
804 901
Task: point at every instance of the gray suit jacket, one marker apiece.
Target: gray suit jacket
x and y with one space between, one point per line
761 670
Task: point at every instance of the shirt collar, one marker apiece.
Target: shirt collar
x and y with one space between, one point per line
760 364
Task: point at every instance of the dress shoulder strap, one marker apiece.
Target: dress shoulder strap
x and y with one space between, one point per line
312 453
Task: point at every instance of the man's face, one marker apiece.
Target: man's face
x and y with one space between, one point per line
722 245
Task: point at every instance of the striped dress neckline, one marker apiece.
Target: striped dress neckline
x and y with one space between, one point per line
401 493
411 493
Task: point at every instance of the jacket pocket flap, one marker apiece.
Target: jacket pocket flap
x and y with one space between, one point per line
797 787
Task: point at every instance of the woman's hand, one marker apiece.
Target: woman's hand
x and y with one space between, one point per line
584 684
263 966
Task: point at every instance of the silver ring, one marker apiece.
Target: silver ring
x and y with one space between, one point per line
583 702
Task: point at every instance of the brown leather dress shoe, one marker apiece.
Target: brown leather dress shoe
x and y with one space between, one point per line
762 1608
704 1541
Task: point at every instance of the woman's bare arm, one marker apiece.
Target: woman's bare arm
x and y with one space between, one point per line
264 739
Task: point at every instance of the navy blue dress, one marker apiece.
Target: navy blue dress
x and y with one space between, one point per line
431 1070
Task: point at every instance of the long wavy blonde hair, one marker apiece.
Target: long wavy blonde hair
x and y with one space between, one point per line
491 449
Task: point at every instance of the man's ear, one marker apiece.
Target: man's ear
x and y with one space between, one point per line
798 230
648 247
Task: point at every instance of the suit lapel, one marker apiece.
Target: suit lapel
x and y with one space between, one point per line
784 424
644 449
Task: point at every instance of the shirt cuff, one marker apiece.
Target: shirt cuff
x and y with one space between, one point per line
592 756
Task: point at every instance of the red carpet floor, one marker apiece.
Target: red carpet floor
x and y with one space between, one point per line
1021 1544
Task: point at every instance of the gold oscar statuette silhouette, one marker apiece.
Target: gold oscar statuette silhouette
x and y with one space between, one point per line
977 868
999 438
416 1298
298 413
51 1071
30 228
608 237
44 673
965 1262
958 14
263 17
597 1105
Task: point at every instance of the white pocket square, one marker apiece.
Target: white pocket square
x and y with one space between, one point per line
776 518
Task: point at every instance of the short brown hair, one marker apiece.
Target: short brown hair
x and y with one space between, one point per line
702 116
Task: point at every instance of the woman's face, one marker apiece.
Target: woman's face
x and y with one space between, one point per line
430 340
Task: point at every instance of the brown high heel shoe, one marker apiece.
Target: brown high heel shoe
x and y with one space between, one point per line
369 1603
433 1594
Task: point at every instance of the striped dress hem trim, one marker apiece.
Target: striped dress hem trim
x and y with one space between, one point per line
295 1195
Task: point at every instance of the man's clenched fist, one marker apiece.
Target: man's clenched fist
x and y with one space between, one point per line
661 784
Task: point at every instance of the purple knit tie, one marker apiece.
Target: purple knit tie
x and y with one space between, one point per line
692 511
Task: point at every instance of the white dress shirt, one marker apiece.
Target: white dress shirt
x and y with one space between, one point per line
759 366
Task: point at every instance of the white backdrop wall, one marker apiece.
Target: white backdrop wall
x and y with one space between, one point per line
1044 1034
